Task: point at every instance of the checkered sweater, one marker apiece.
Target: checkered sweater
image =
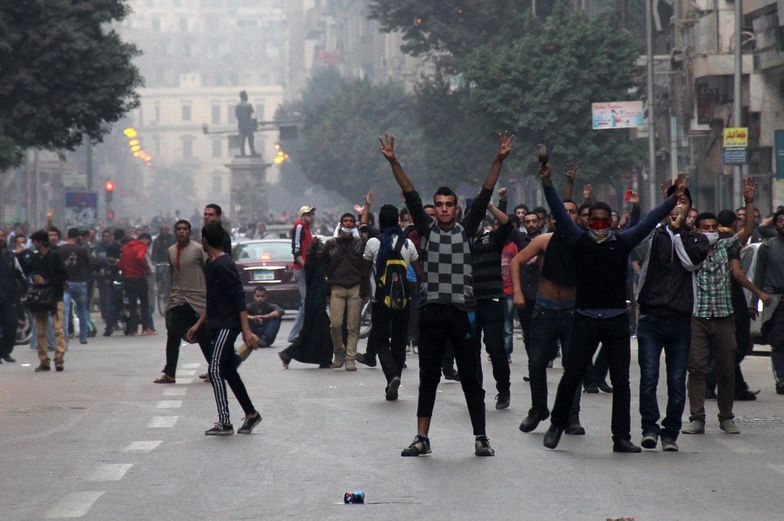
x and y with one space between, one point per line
446 254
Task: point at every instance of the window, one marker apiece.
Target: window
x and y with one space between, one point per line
232 116
187 148
186 112
216 114
217 148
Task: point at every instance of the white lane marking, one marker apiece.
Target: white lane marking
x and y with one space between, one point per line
169 404
175 391
778 468
162 422
75 504
184 381
143 446
739 446
190 372
110 472
190 366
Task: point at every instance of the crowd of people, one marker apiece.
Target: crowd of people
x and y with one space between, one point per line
443 280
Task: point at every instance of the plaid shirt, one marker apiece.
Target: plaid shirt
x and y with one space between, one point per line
714 296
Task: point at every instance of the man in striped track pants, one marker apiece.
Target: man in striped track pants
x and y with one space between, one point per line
226 318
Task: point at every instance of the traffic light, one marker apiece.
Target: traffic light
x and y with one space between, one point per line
110 215
108 191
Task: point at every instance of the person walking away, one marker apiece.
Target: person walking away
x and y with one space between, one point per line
226 317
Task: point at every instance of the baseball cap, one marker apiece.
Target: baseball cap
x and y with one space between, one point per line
306 210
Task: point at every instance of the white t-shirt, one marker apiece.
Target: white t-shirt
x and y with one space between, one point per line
408 252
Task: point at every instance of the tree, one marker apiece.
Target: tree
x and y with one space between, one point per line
340 134
65 76
541 85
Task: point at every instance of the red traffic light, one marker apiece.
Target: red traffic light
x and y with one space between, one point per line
109 186
110 215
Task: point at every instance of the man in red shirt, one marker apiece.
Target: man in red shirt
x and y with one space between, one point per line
134 267
301 236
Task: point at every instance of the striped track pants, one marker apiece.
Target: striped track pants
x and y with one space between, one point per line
223 368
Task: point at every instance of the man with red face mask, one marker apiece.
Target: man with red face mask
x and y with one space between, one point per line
601 259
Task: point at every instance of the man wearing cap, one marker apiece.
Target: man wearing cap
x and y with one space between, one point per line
300 242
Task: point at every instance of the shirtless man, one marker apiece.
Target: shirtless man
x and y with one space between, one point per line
552 317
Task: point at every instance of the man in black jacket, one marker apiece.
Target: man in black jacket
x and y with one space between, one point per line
11 287
665 294
48 270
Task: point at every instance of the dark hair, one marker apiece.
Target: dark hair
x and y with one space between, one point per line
56 230
403 212
215 207
531 213
388 217
727 218
212 233
23 236
600 205
262 289
567 200
671 190
425 207
348 214
445 191
540 209
119 234
704 216
778 214
145 236
73 233
40 236
183 221
583 207
521 206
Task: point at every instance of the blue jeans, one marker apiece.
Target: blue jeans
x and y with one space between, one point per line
299 276
509 316
76 292
266 331
655 333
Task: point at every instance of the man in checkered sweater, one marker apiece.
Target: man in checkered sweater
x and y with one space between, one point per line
447 295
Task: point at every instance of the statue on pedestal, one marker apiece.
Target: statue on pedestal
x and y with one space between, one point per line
246 123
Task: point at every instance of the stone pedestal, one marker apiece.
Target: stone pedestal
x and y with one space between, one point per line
248 188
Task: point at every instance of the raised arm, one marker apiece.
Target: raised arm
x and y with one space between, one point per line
504 147
748 223
475 214
388 151
571 174
570 231
635 235
363 217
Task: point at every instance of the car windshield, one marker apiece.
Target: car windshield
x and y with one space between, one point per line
263 251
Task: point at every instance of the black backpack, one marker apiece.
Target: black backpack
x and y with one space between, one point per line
392 289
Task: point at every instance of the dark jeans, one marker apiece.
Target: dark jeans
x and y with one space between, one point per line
178 321
525 314
775 332
597 369
113 304
223 368
673 335
587 332
389 336
490 317
438 323
136 289
9 321
267 331
547 325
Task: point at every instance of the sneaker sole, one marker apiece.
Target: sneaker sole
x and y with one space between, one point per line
648 442
227 433
252 426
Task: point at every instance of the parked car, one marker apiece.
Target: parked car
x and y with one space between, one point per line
268 263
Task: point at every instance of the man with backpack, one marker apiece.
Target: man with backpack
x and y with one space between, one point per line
390 255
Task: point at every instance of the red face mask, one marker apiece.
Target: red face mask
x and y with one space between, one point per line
601 224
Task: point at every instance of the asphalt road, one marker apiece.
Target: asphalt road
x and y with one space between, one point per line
100 441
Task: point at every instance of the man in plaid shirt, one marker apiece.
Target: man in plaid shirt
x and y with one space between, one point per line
712 323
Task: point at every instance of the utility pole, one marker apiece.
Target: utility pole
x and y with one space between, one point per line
652 192
737 116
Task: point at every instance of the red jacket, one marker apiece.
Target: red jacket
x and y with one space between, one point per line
132 260
301 238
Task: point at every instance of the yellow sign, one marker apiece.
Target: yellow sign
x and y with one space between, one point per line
735 137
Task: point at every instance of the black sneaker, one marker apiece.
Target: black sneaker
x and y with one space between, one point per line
575 428
249 423
419 447
649 440
59 368
669 445
364 359
482 447
591 388
391 392
454 376
502 400
9 359
746 395
220 429
531 421
604 387
625 446
552 437
42 368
